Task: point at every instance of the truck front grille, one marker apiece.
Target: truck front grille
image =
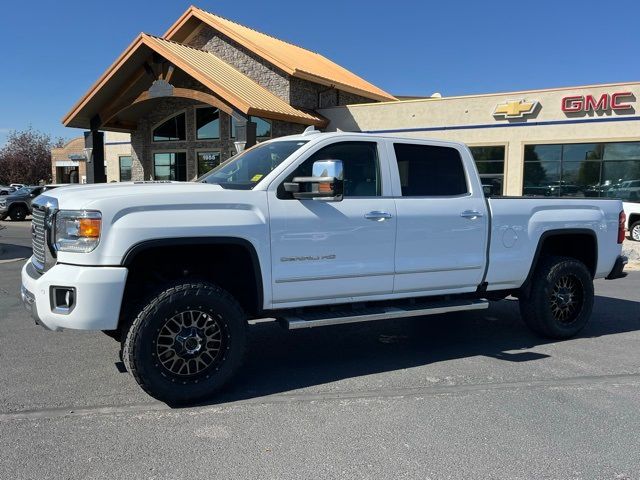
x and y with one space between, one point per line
38 237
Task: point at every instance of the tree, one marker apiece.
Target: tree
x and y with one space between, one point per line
26 157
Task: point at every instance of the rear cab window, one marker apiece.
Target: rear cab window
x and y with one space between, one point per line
430 170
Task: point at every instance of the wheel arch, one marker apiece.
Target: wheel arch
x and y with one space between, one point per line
157 247
562 242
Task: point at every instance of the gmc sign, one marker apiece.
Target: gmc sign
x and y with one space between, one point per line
589 103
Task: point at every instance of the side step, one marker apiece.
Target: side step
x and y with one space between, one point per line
338 317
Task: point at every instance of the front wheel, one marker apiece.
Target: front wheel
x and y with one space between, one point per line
634 231
18 213
560 300
186 343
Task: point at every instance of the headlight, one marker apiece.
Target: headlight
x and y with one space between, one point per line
3 203
77 231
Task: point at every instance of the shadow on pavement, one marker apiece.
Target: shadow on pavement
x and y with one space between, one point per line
280 361
10 251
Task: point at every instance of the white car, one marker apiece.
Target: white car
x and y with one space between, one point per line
632 211
314 229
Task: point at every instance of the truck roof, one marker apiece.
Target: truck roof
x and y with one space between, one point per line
312 134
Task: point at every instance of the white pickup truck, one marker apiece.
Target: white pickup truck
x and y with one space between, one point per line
314 229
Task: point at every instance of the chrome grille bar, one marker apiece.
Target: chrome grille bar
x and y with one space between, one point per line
38 237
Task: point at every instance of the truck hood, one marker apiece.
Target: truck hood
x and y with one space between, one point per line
130 194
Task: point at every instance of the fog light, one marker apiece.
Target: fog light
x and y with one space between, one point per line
63 299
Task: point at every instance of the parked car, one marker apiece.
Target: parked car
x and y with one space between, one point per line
629 191
6 190
17 205
17 186
632 210
314 229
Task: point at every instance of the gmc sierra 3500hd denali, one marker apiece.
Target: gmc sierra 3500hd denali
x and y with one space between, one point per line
314 229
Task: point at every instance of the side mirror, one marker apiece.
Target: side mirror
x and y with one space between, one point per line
326 182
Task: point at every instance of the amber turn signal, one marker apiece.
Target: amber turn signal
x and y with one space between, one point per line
89 227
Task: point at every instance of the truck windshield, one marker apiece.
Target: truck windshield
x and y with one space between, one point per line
245 170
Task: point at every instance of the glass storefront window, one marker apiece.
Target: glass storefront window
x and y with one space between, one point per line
125 168
170 166
622 151
583 170
207 123
542 153
490 163
207 161
171 130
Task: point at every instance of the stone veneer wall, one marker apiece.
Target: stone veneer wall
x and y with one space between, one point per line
295 91
256 68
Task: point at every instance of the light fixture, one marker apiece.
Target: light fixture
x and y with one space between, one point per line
240 146
87 153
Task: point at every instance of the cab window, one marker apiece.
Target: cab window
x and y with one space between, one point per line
360 163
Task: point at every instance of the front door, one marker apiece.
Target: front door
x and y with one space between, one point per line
340 251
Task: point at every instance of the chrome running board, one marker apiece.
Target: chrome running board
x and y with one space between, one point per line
339 317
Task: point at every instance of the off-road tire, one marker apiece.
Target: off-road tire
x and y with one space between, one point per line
537 307
634 231
143 341
18 213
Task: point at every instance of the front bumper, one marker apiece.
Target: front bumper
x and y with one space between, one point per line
98 296
618 267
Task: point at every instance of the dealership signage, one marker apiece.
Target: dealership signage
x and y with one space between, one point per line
619 102
515 109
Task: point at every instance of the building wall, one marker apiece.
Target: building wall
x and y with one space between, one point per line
143 147
471 119
116 144
74 146
247 62
296 91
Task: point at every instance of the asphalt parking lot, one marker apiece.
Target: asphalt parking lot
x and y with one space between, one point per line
471 395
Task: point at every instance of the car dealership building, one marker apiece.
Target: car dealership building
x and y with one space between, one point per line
576 141
210 87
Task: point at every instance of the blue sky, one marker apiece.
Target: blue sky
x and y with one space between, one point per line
51 52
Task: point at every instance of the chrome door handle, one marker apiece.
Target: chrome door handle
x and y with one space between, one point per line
471 214
377 215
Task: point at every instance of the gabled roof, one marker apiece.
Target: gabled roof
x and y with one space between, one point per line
228 83
294 60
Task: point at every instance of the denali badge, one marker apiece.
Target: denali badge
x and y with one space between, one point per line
307 258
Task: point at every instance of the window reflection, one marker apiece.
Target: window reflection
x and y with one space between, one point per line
609 170
490 163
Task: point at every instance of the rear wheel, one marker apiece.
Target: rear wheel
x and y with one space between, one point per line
634 231
560 300
18 213
186 343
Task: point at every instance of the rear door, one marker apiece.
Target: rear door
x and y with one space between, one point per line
442 219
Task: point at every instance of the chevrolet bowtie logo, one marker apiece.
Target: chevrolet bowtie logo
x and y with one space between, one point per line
515 109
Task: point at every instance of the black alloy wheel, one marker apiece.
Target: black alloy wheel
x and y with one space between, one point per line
559 300
186 343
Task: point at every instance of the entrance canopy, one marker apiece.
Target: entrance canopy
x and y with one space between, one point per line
152 68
